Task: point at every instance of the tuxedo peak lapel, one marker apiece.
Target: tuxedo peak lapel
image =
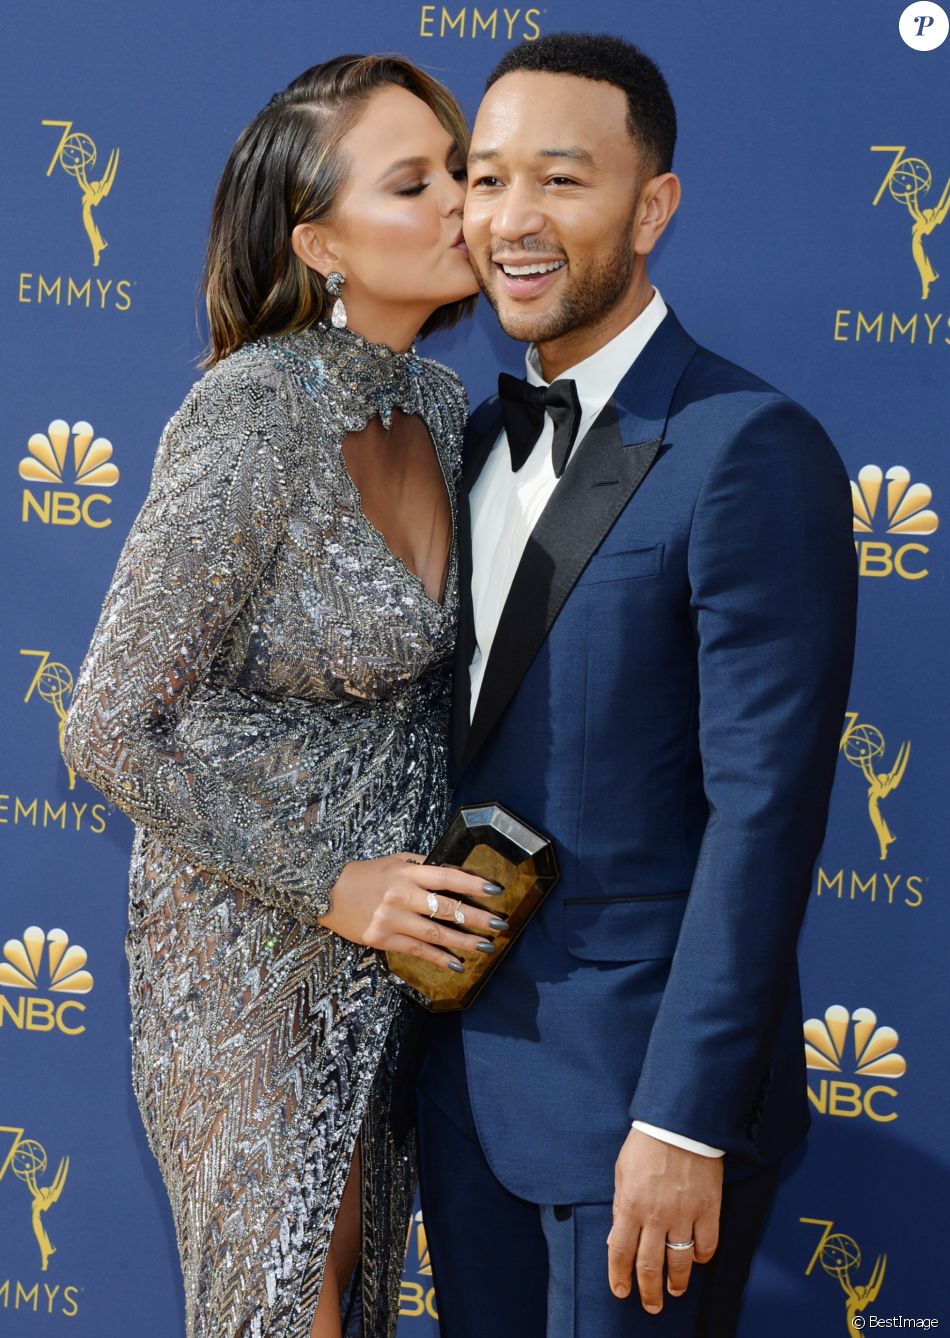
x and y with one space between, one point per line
480 436
599 481
644 395
603 473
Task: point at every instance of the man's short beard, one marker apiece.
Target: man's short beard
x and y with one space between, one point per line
582 305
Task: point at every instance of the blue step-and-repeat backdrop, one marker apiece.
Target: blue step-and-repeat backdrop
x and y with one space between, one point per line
813 246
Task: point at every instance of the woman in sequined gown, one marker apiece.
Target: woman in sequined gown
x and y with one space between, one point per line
265 695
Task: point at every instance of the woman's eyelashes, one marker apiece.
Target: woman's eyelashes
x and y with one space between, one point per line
457 174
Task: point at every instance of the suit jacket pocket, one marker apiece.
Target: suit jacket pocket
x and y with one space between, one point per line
638 561
633 929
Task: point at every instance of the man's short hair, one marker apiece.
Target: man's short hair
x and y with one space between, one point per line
651 116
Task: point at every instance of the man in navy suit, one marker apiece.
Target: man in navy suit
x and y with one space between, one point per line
653 668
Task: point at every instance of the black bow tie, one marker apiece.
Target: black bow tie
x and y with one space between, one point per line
523 407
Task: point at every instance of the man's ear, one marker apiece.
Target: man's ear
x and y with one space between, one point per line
314 247
658 203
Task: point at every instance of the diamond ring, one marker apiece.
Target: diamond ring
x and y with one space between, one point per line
432 901
458 914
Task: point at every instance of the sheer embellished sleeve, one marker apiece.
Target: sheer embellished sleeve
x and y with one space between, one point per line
231 781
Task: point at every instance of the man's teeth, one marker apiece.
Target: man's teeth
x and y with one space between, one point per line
518 271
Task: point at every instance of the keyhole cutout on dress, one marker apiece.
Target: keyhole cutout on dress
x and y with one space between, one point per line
404 495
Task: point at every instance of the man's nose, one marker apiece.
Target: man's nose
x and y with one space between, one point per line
518 214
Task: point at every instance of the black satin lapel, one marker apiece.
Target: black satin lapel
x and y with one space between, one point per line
597 484
480 437
465 642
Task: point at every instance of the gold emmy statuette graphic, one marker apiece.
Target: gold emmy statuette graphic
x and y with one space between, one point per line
52 681
76 152
907 179
839 1255
862 745
27 1160
487 840
874 1048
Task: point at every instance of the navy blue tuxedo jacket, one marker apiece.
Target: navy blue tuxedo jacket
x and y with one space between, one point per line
664 698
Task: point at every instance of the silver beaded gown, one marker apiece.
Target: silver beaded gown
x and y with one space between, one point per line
266 696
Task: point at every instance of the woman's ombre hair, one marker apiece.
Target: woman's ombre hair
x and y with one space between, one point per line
287 168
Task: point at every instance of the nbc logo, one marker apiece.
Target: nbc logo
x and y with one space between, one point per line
854 1041
417 1299
905 511
65 973
46 463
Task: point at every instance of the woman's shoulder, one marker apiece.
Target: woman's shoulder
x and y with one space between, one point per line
246 393
443 389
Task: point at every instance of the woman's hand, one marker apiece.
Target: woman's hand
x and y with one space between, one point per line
384 903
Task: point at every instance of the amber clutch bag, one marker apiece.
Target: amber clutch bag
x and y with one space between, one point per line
490 841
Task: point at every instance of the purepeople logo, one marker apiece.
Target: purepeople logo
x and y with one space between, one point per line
25 1160
76 159
22 971
50 462
417 1298
840 1257
854 1043
901 511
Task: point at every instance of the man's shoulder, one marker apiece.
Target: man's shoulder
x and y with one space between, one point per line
714 389
709 373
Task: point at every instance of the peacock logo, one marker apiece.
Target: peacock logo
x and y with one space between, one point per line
64 455
901 509
39 965
853 1042
907 505
91 456
65 963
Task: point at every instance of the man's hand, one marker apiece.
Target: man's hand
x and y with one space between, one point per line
662 1193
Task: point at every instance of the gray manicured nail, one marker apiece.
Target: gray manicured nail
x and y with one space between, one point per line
455 966
495 923
485 947
492 888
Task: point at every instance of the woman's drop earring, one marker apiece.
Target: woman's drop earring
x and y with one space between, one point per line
335 282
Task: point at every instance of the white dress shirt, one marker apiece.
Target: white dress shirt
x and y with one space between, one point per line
506 506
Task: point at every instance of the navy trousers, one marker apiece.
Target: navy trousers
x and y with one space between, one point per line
514 1269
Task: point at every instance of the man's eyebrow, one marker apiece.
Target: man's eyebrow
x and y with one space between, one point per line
573 153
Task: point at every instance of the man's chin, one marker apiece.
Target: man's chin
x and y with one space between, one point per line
530 327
